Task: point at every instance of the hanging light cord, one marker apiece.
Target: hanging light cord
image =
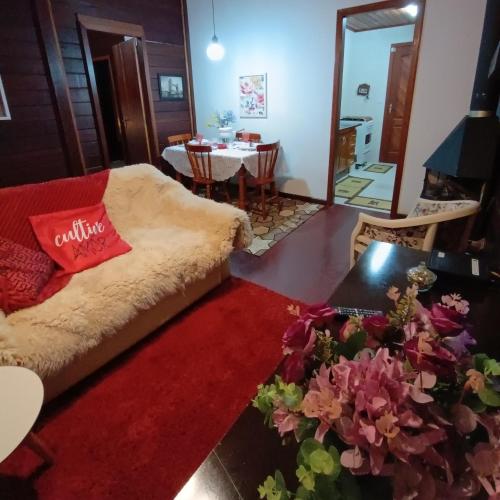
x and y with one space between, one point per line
213 16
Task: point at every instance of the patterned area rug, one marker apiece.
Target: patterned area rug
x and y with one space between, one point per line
365 201
351 186
377 168
279 224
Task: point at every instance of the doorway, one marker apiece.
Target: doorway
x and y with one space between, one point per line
118 78
375 66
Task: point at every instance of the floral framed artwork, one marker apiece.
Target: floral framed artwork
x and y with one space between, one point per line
4 107
253 96
171 87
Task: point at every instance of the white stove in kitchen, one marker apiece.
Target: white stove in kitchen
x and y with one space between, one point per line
364 132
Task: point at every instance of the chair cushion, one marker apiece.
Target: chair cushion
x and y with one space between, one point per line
412 237
80 238
23 274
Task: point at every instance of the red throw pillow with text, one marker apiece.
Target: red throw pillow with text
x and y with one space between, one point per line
23 275
80 238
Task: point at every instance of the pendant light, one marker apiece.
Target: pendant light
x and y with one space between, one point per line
215 51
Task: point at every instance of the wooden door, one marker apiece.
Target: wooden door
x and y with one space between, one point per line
395 101
131 102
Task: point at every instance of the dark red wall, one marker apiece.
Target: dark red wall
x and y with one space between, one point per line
30 145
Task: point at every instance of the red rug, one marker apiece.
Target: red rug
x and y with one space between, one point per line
141 427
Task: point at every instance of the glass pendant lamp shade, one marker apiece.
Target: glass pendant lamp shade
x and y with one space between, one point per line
215 51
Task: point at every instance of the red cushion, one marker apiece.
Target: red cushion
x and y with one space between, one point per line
80 238
18 203
23 275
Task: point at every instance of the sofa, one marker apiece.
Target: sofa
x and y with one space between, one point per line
180 249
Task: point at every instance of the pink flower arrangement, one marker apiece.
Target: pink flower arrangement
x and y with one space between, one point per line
400 391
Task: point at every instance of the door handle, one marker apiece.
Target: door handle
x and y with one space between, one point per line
390 108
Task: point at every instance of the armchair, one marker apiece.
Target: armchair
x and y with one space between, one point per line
418 230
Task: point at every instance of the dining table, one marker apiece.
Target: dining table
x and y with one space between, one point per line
236 158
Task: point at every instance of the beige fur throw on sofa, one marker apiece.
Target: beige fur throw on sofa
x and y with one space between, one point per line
176 239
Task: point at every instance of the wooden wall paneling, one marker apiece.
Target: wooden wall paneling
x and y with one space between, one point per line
24 130
86 23
172 117
20 97
85 123
161 20
189 74
37 110
110 26
43 112
60 87
92 85
71 50
170 105
34 166
24 66
165 30
79 95
19 48
148 100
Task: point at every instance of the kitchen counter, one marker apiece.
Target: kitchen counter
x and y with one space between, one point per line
344 125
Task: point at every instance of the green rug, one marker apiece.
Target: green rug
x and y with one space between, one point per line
377 168
351 186
365 201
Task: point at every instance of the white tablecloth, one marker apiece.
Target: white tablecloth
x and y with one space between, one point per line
225 162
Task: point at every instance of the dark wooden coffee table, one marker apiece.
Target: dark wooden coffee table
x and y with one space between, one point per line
250 451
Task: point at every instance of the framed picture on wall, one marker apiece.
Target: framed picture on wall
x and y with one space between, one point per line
171 87
253 96
4 107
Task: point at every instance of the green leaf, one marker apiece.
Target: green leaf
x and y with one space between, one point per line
489 397
292 396
268 489
264 401
492 367
274 488
478 361
303 494
306 478
280 481
306 428
321 462
307 447
337 468
326 489
475 404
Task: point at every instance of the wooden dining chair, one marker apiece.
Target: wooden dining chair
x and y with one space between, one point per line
175 140
201 164
248 136
267 157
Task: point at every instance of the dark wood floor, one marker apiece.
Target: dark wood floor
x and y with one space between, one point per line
310 262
